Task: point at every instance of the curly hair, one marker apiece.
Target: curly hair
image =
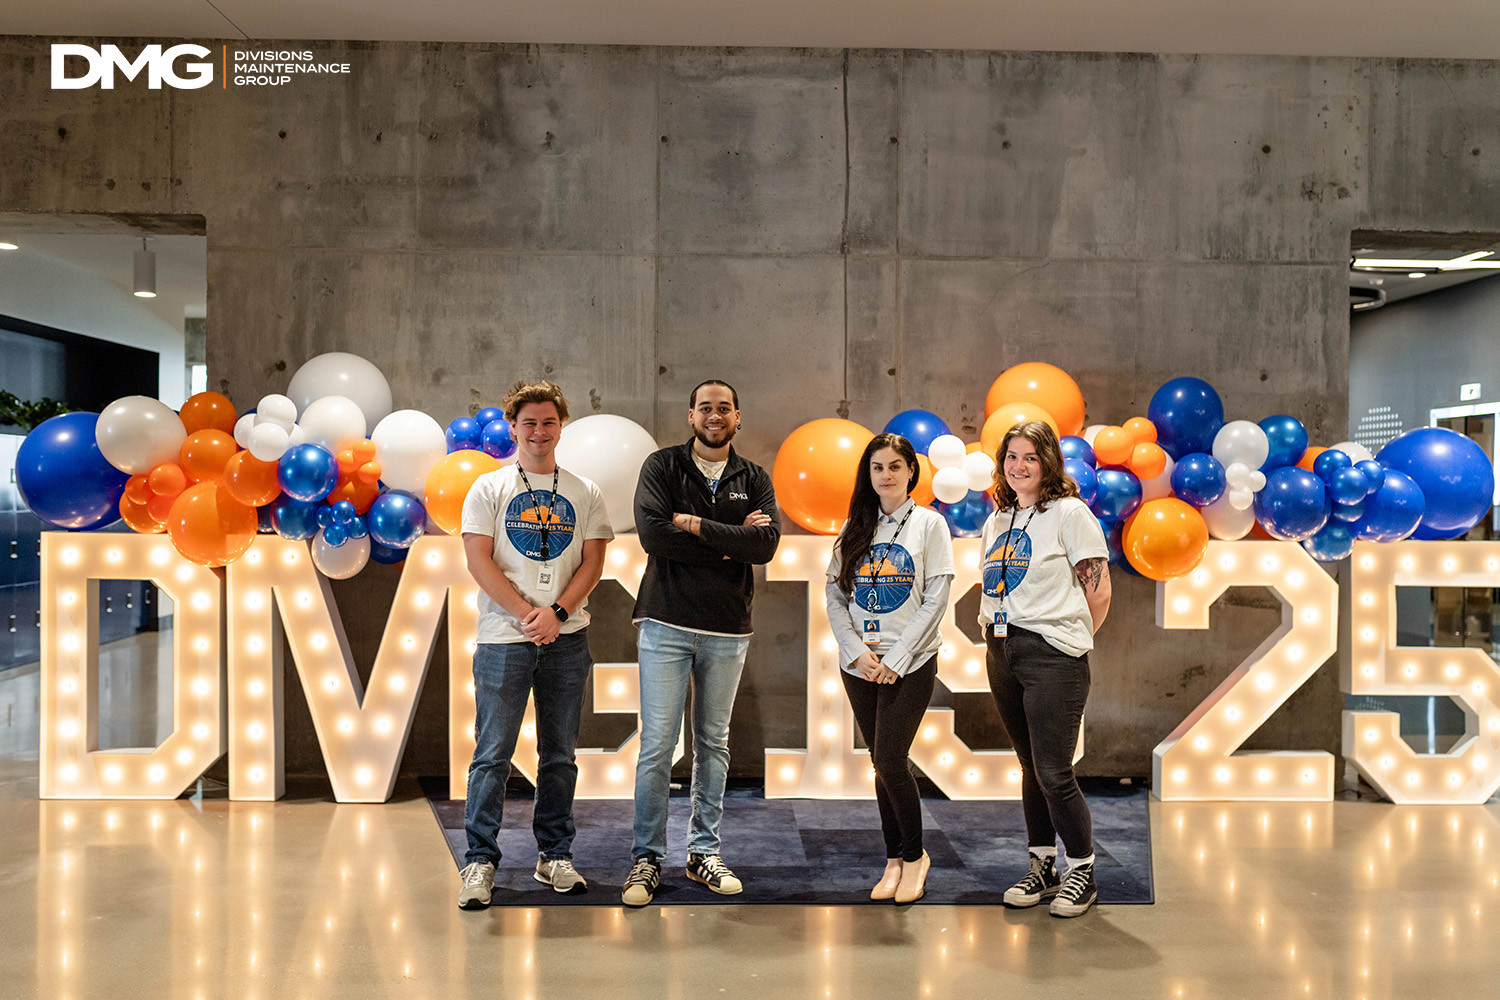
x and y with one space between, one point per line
524 392
1056 484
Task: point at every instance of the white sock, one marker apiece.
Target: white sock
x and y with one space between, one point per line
1075 862
1044 852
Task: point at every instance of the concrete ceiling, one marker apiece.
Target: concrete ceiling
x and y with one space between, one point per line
1466 29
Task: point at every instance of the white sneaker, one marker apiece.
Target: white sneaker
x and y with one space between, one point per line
478 884
560 875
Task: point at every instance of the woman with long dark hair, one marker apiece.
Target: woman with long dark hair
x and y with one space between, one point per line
1046 592
887 590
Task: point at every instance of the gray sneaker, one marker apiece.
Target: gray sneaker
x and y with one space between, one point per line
478 883
560 875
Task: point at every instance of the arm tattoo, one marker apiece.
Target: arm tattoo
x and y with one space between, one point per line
1090 572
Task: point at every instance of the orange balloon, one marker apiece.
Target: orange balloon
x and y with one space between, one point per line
1004 418
921 493
1043 385
346 461
138 488
361 495
1141 430
159 506
139 518
167 480
1147 461
208 411
448 484
204 455
368 473
364 451
815 472
1308 457
1165 539
251 481
973 446
1113 446
209 527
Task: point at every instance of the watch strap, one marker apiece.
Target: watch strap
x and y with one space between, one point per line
560 611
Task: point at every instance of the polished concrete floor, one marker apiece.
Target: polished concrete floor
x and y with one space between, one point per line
199 898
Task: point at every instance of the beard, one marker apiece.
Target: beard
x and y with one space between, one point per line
727 435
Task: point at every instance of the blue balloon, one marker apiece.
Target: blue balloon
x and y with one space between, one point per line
1119 494
384 554
1349 512
1077 447
1374 473
489 415
1294 504
396 519
294 519
335 534
64 478
1393 511
357 528
343 512
1083 474
263 515
1187 413
1348 486
966 517
1114 539
1199 479
463 434
307 472
1329 462
496 440
1453 473
1288 440
325 516
919 427
1334 541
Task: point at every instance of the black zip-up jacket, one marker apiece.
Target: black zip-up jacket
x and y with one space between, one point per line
689 582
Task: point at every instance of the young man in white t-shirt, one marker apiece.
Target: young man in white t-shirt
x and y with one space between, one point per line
534 535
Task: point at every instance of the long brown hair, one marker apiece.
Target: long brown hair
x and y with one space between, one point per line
864 507
1056 483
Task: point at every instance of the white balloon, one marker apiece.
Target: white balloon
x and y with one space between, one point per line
946 452
1241 499
268 442
1226 521
950 485
242 428
347 375
1257 481
138 433
608 449
297 435
408 443
276 409
979 470
1161 486
1241 441
1237 475
1092 431
342 561
333 422
1356 452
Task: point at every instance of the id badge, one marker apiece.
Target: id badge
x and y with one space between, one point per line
872 631
546 578
1000 627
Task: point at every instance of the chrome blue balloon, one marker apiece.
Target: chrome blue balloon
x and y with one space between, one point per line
1187 413
1118 496
1392 512
1083 474
343 512
1077 447
263 516
1453 473
1348 512
1114 539
307 472
1199 479
489 415
386 555
325 516
1294 504
396 519
1334 541
357 528
496 440
294 519
919 427
335 534
1330 462
1374 473
63 477
463 434
966 517
1348 486
1288 440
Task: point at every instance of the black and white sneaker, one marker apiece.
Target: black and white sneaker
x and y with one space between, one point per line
1041 882
1077 894
640 886
710 870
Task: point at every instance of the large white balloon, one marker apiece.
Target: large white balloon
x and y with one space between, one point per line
950 485
979 470
608 450
342 561
1356 452
1241 441
1161 486
334 422
268 442
946 452
347 375
1226 521
138 433
408 443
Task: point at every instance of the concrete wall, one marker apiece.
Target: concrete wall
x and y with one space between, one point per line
834 232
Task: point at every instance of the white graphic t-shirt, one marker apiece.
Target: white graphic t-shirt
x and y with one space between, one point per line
890 587
499 505
1033 553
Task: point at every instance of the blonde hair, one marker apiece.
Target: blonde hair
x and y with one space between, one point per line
524 392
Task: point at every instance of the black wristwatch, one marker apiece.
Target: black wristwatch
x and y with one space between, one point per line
561 612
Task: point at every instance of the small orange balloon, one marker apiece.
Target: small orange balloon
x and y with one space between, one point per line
1045 386
448 484
1308 457
160 505
251 481
1147 460
204 454
921 493
208 411
1165 539
167 480
346 461
1113 446
138 517
368 473
361 495
138 488
1004 418
209 527
1141 430
815 472
364 451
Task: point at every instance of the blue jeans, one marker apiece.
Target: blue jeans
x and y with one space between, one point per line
504 674
669 658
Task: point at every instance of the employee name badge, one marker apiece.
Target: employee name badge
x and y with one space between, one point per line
1000 626
872 631
546 578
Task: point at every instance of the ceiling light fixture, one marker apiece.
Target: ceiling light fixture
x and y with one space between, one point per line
8 246
145 272
1468 262
1417 274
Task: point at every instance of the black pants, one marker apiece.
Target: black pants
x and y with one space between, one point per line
889 716
1040 692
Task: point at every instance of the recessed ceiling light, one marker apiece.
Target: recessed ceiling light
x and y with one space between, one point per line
1417 274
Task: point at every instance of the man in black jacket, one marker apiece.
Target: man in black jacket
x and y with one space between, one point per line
705 516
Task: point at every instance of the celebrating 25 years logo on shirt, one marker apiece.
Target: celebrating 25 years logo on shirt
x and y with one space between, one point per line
885 585
1011 555
523 523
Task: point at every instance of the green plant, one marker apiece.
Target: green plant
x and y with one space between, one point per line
14 410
